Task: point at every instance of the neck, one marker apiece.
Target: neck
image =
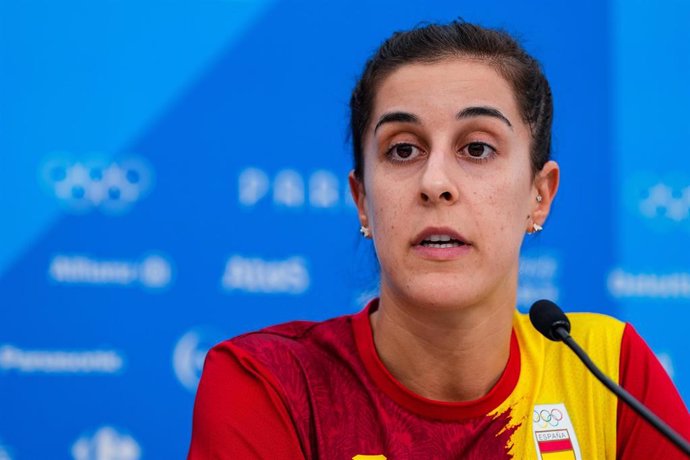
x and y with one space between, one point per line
443 355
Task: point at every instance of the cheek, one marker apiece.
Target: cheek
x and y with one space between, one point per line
387 217
506 208
385 213
383 198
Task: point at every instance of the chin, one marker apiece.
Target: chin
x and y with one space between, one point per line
449 301
442 293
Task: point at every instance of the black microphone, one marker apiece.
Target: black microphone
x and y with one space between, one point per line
550 320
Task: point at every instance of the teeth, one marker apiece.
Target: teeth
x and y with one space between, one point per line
439 238
441 241
441 245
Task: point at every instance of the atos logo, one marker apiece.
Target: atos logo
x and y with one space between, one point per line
110 186
260 276
290 189
106 443
189 355
663 202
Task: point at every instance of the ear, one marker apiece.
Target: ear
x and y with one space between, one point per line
545 185
358 196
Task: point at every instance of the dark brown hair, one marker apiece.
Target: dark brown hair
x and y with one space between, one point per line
434 42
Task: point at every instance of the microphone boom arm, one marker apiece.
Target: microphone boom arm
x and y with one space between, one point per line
661 426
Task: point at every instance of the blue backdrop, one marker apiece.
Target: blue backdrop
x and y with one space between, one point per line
174 173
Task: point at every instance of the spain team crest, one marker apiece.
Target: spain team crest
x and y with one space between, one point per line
554 436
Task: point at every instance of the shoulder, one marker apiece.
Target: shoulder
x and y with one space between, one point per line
643 376
287 362
289 348
596 321
295 336
584 327
601 336
596 328
241 409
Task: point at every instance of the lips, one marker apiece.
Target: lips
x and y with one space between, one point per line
439 237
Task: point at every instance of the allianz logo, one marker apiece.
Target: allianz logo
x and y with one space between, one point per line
189 355
291 189
97 183
106 443
255 275
625 284
153 271
22 361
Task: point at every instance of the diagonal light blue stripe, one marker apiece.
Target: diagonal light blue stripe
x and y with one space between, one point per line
87 77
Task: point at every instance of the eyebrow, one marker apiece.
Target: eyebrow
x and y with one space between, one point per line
469 112
483 111
393 117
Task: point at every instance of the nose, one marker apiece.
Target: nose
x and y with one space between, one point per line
437 182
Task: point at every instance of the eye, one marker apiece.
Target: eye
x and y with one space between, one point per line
403 152
478 151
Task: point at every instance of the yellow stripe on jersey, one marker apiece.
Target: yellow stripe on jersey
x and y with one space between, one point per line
551 374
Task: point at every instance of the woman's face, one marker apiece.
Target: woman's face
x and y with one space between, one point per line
448 192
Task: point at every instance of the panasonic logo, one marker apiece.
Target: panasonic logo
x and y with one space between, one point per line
59 361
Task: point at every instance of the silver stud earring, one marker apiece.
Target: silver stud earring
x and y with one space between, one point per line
539 198
536 228
366 233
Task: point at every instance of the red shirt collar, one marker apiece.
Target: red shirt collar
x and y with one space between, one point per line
449 411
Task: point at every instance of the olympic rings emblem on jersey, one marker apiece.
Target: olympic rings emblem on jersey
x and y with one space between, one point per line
545 418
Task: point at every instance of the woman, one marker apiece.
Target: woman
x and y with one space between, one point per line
451 129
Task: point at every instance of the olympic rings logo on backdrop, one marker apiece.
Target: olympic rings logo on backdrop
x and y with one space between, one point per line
112 186
547 418
662 201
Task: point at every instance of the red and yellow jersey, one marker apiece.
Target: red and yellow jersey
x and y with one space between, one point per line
559 409
319 391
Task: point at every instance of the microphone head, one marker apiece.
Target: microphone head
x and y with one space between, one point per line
546 317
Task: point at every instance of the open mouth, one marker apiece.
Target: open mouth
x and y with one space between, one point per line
441 242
